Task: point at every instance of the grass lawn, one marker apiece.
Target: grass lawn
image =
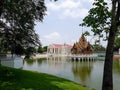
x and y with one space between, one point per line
16 79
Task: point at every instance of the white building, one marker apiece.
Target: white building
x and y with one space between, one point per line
61 49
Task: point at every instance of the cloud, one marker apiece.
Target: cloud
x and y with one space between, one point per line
69 8
75 13
64 5
52 6
47 12
53 35
87 1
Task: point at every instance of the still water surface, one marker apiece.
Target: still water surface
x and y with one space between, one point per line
88 73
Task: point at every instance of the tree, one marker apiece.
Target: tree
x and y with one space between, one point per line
117 41
45 48
40 49
17 20
97 47
117 44
102 21
1 6
29 52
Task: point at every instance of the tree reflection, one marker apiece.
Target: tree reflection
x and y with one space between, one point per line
30 61
39 61
82 69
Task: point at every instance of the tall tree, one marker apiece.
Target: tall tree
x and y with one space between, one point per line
102 21
117 41
1 6
40 49
17 21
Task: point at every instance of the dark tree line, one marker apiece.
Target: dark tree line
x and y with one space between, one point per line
17 21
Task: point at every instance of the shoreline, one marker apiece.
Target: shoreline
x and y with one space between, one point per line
116 56
36 56
48 55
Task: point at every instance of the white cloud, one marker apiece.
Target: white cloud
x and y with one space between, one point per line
75 13
52 35
47 12
87 1
69 8
70 4
52 6
64 5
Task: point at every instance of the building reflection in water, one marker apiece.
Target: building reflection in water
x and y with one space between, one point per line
56 61
82 70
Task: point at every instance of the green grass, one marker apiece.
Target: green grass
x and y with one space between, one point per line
16 79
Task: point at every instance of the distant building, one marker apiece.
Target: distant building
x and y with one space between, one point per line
62 49
82 47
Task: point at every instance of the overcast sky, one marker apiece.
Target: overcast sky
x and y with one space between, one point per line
61 24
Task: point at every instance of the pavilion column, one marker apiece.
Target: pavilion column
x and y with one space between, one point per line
47 50
57 50
54 50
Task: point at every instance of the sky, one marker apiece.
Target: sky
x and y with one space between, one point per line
61 24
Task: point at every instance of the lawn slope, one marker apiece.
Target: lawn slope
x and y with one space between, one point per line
16 79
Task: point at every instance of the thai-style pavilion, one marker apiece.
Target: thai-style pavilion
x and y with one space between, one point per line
82 47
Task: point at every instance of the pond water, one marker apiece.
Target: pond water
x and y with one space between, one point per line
9 61
88 73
